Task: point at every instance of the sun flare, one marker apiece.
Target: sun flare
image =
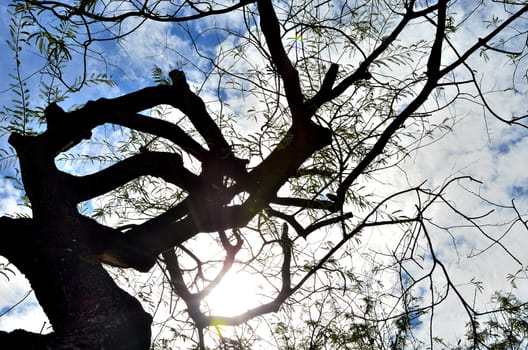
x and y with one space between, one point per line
236 293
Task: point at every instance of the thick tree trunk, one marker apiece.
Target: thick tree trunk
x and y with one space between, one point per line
84 305
58 250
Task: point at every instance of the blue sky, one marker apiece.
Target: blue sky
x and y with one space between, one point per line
478 145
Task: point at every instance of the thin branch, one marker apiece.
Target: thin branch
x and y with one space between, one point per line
72 11
483 41
305 203
362 72
12 307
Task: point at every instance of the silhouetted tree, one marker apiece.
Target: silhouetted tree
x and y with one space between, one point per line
339 93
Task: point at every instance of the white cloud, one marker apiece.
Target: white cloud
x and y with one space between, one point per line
472 150
477 146
25 311
9 199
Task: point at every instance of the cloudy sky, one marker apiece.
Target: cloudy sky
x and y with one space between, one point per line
478 145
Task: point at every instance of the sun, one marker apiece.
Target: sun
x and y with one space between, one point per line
236 293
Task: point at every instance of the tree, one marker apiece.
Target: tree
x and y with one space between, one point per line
340 93
506 329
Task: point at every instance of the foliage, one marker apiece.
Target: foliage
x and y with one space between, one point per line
345 248
506 328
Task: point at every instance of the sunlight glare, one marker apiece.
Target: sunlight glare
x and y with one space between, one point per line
236 293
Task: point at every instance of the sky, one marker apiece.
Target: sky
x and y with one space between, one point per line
478 145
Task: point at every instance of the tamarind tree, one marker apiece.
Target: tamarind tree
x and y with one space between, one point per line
274 145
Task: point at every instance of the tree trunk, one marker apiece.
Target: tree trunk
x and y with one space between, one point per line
57 250
84 305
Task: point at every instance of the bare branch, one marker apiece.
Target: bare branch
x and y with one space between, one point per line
144 12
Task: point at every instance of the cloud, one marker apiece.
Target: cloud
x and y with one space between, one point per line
25 313
492 153
10 199
478 145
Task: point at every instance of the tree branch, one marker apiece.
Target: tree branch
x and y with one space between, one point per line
72 11
194 107
273 306
304 232
193 300
168 166
306 203
67 129
362 72
434 62
482 41
271 30
160 128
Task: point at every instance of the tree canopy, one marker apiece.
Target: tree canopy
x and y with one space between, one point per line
313 158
